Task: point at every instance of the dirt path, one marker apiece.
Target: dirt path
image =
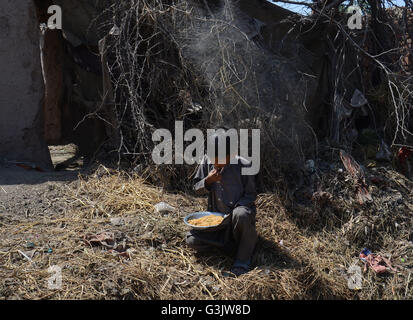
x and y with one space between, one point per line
24 192
30 193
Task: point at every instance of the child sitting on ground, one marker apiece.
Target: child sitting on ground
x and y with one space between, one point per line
232 193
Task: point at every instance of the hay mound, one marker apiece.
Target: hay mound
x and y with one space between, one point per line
148 258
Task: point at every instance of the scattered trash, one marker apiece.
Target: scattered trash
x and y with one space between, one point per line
28 255
163 207
371 164
105 239
309 166
126 253
117 221
354 277
264 270
402 156
30 245
384 153
216 288
281 243
378 263
358 100
50 250
194 108
109 241
115 31
404 153
227 274
364 253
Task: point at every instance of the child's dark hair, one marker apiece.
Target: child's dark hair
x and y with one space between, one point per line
218 135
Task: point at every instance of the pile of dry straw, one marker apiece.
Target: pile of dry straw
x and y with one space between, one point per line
293 259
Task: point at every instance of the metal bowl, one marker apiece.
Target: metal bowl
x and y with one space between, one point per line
197 215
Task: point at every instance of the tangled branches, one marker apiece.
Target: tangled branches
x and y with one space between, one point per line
205 63
376 59
199 64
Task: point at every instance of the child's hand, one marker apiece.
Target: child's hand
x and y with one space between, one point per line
213 176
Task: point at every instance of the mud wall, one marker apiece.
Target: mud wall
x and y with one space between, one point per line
21 85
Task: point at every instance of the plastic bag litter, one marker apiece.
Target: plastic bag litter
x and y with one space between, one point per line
309 166
163 207
115 31
117 221
358 100
384 153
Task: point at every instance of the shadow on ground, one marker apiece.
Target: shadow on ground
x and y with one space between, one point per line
267 254
13 175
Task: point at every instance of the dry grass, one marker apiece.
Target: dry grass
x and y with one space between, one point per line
310 264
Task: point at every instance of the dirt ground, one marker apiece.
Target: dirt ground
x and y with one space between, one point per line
30 193
304 251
